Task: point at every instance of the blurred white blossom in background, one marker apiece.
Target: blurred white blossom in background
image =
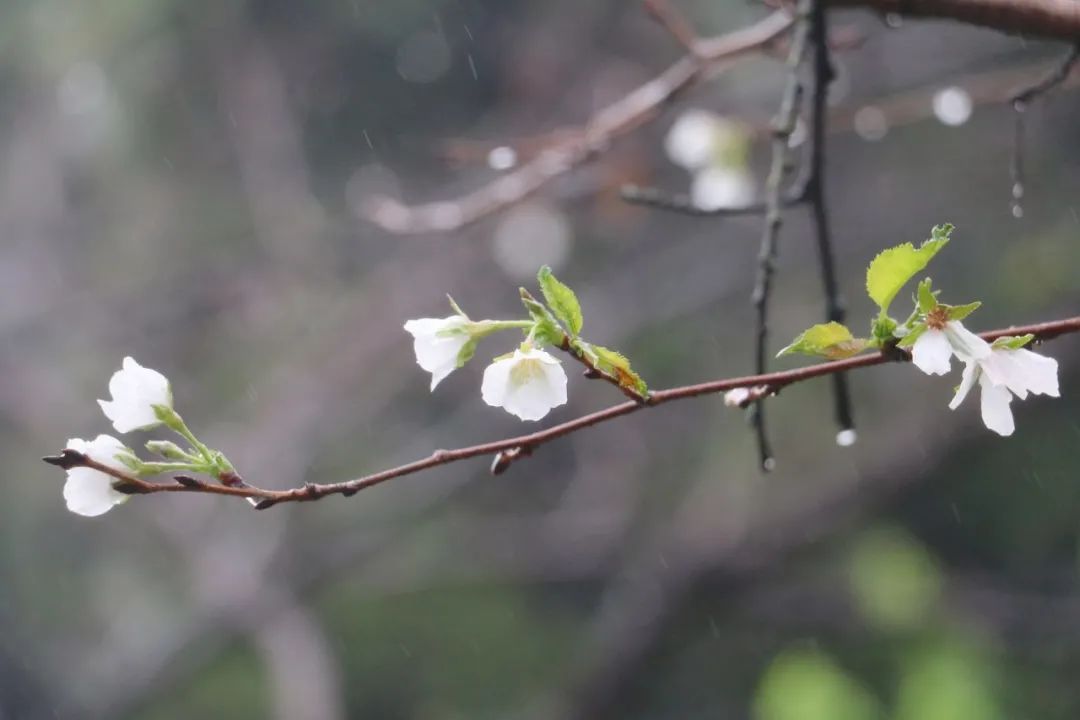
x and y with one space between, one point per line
714 150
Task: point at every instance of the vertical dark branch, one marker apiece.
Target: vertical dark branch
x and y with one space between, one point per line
783 127
821 75
1020 101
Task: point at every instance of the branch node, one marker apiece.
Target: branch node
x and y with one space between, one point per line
230 478
675 23
505 458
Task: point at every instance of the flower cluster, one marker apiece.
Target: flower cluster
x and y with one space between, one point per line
935 334
141 400
1002 369
528 382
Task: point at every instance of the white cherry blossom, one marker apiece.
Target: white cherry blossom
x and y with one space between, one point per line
135 390
1002 374
88 491
438 343
527 384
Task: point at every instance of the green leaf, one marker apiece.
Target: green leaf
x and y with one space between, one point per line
561 299
831 340
618 366
959 312
1012 342
909 339
547 329
925 296
892 268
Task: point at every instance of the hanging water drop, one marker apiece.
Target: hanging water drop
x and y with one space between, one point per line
846 437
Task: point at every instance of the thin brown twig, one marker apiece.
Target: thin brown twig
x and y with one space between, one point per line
526 444
674 22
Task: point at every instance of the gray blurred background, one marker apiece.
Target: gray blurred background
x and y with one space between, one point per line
183 182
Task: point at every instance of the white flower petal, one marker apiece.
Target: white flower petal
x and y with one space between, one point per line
1041 371
964 342
135 390
435 351
496 383
88 491
1001 369
971 373
996 413
535 399
932 352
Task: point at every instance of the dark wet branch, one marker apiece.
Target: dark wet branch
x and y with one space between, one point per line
822 74
783 127
1020 101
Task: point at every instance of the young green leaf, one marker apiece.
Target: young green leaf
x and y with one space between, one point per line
915 333
893 268
925 297
547 329
831 340
1012 342
561 299
618 366
959 312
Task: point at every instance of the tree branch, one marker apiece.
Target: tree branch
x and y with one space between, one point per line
1053 19
1020 100
783 127
576 147
821 76
525 444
